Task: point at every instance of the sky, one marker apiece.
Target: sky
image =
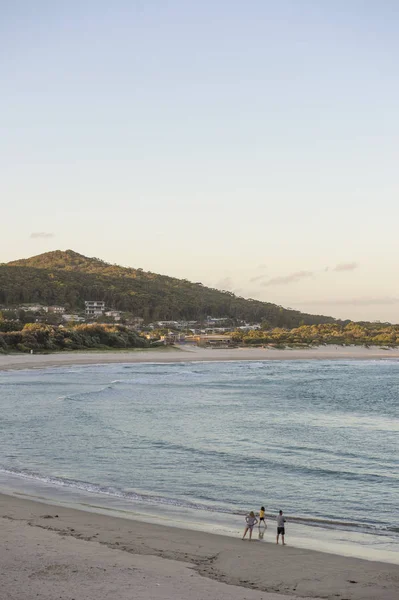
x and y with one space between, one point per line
252 146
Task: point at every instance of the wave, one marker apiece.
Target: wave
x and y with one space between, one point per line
262 462
335 453
156 500
136 381
30 383
78 396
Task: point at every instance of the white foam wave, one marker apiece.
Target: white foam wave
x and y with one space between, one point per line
168 501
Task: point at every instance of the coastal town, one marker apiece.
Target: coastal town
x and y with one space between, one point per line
19 323
207 331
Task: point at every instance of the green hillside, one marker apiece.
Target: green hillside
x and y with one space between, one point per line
68 279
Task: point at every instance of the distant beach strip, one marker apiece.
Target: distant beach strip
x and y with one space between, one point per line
188 354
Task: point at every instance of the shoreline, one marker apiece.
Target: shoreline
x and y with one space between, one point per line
54 491
338 538
193 354
170 557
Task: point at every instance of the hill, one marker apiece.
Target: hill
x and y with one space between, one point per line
68 278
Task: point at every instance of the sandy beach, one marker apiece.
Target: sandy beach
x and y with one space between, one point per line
50 551
56 552
189 353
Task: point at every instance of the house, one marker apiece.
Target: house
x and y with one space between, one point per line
114 314
94 308
213 341
212 321
58 310
136 321
33 308
75 318
173 338
248 327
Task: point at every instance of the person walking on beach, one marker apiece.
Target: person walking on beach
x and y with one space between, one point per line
251 520
280 527
262 517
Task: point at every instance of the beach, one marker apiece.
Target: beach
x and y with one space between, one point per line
75 550
56 552
194 353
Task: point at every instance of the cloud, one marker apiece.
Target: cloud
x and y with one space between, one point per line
261 267
252 294
351 266
299 275
41 235
355 301
226 283
287 279
257 278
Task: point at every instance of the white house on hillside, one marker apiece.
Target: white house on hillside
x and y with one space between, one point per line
94 308
58 310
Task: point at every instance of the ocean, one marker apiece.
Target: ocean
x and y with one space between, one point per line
200 444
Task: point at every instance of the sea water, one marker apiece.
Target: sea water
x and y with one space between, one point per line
200 444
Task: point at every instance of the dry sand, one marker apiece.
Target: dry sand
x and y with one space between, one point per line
87 556
187 353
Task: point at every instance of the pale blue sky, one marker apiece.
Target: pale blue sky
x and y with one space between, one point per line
248 145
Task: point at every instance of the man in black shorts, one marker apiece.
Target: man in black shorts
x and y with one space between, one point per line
280 527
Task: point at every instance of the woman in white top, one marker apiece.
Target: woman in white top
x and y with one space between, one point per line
251 521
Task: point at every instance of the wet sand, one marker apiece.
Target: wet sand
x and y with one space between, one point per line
56 552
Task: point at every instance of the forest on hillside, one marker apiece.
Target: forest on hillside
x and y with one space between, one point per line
68 279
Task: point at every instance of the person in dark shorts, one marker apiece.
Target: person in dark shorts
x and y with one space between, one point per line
280 527
262 519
